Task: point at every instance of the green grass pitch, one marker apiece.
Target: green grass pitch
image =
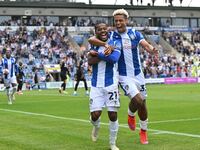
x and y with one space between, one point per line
47 120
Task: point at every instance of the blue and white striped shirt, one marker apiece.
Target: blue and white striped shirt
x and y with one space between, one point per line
129 63
105 73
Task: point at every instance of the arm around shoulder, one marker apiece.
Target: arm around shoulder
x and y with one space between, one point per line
94 41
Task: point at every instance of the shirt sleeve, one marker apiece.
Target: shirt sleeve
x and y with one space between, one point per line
139 36
114 56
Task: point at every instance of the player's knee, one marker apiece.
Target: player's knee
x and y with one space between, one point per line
95 115
112 116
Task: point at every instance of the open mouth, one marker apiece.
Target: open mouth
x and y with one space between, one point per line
104 35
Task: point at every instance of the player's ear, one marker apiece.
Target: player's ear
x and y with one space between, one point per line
126 20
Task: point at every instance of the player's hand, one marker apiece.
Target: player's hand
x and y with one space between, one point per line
93 53
155 52
5 71
108 50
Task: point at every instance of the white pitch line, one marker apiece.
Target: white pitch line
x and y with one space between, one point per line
44 115
168 132
87 121
175 133
176 120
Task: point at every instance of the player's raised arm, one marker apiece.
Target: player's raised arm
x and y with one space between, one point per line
149 48
1 60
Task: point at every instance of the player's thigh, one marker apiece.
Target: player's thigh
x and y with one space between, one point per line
141 85
129 86
97 99
112 98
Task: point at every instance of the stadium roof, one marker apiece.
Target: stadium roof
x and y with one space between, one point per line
46 4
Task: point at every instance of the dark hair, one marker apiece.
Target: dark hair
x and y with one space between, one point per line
97 24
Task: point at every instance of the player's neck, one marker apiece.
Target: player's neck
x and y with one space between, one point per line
125 31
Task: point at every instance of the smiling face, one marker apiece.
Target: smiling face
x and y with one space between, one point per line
120 21
101 31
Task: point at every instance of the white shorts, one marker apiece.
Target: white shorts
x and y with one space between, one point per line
101 97
133 86
8 82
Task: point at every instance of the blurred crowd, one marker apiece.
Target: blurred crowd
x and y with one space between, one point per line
38 47
68 21
184 46
195 38
170 66
29 21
